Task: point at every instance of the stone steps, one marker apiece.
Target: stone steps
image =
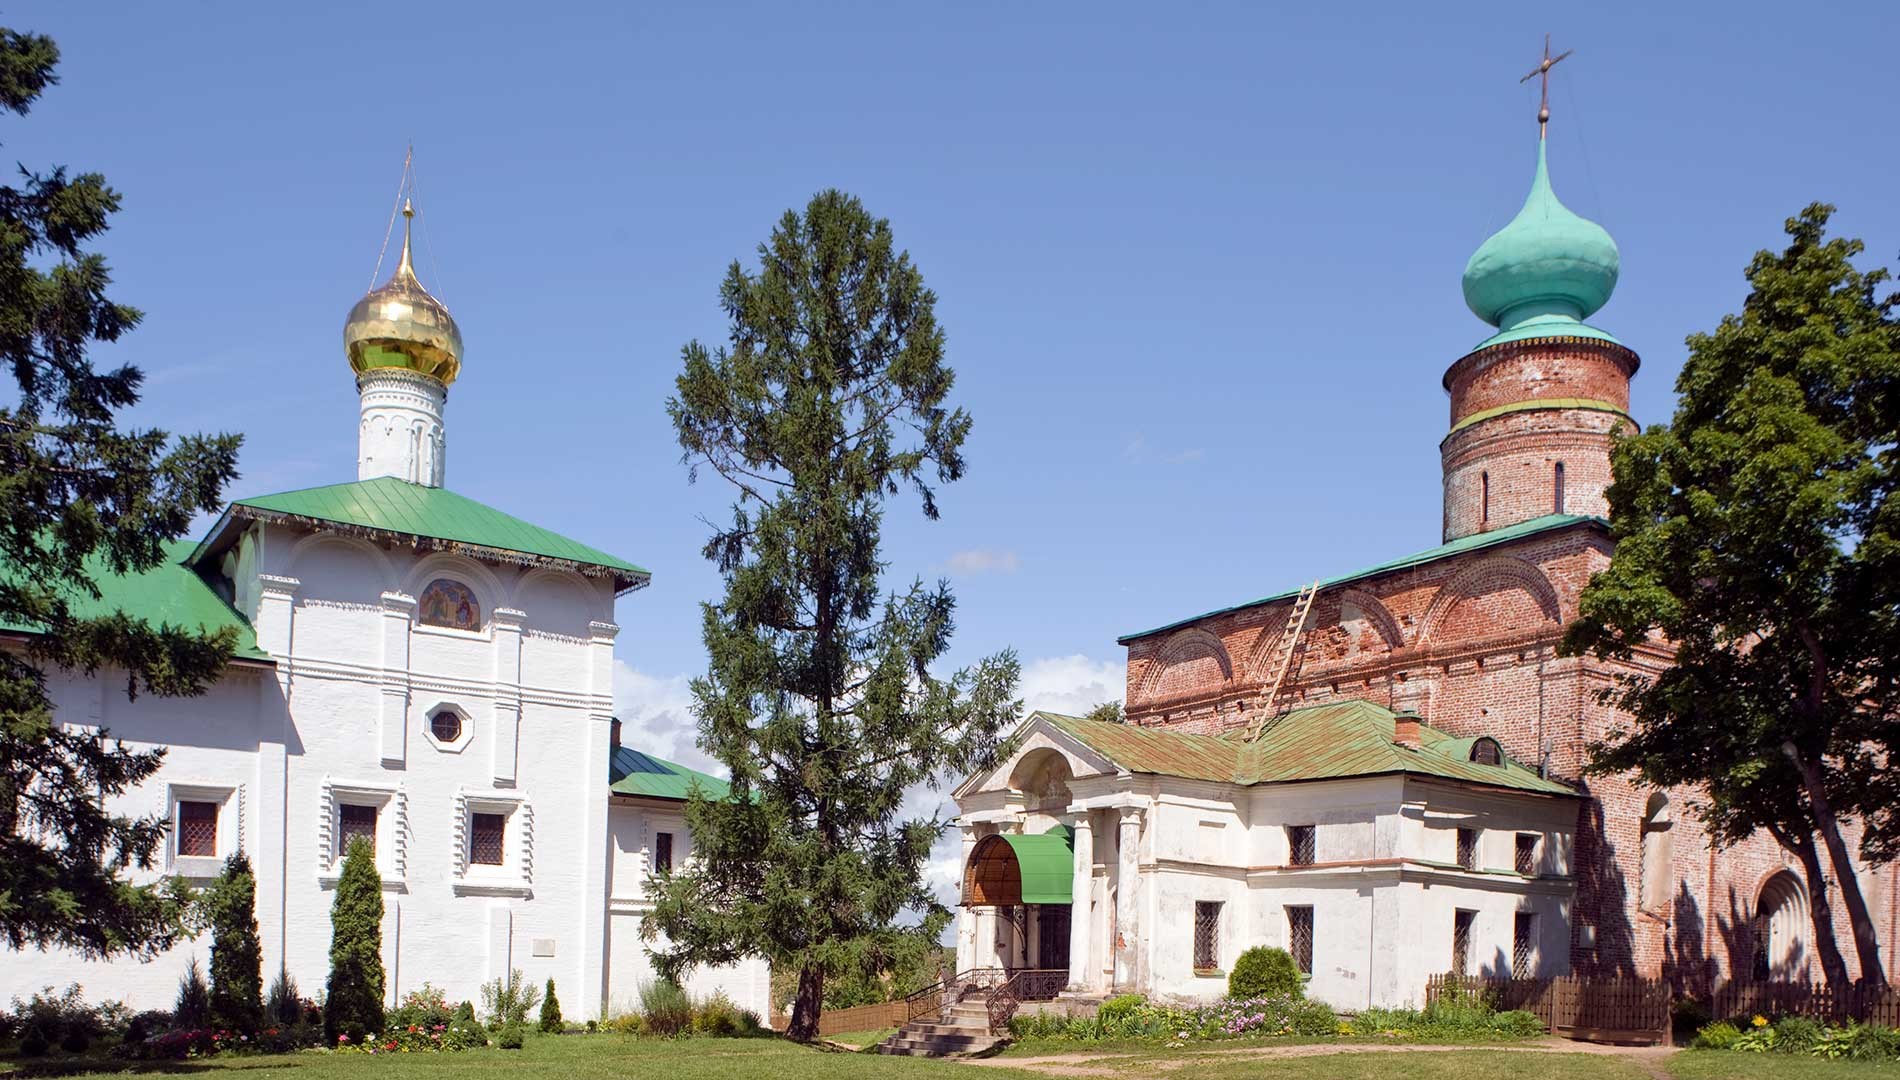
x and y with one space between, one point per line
965 1032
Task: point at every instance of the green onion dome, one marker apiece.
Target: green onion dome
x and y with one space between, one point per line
1545 272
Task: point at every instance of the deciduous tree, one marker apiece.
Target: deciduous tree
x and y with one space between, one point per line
822 700
1757 533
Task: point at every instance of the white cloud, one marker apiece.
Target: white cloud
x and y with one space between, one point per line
984 561
1071 684
656 717
1138 449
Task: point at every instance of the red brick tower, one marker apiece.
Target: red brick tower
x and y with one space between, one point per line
1534 407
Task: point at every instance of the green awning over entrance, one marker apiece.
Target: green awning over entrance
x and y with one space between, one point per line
1008 870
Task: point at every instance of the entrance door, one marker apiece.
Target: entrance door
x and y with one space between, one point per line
1052 936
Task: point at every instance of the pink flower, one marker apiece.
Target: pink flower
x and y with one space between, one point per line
342 1038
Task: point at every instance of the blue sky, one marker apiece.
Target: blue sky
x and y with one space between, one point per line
1198 264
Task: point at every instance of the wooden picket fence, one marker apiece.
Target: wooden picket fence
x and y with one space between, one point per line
1867 1004
885 1014
1594 1008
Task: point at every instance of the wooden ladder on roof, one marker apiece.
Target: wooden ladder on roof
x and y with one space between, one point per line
1282 660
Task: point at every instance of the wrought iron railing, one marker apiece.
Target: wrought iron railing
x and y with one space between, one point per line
939 996
1024 984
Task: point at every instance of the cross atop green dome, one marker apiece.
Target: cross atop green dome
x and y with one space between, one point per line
1545 272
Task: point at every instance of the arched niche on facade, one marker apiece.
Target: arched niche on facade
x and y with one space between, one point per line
1358 624
1498 595
339 570
558 602
484 588
1781 928
1042 777
1658 852
1192 659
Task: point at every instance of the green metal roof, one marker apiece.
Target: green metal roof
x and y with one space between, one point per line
395 507
1319 742
630 772
1459 546
1047 862
170 594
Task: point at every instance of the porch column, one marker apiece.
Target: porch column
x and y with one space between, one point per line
1127 871
1079 910
966 915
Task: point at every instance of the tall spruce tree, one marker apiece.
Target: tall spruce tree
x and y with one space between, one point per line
827 401
353 999
1759 534
81 497
237 957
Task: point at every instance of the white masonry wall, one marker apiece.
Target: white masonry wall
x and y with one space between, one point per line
344 718
1384 887
632 825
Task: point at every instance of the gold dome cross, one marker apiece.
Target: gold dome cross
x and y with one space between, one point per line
1542 71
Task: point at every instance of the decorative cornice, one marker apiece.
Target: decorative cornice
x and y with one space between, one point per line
1539 404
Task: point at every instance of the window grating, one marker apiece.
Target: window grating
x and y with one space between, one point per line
354 820
197 828
1206 935
1468 848
484 838
1299 937
1523 937
1461 940
446 725
1300 844
663 853
1526 863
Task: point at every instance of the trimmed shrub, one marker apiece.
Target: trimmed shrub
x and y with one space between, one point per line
464 1017
511 1036
665 1009
1264 972
35 1043
353 1001
237 957
75 1041
551 1010
193 1008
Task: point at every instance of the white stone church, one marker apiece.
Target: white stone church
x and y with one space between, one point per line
418 669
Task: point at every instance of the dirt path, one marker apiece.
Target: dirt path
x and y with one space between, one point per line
1082 1063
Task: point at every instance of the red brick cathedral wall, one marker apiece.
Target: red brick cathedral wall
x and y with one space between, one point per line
1469 641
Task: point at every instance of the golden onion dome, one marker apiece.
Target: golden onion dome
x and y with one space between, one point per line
399 324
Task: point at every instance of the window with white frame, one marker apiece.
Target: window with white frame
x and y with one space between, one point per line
206 827
376 814
495 837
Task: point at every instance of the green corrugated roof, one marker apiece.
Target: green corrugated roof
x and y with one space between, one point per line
169 594
1319 742
630 772
389 505
1443 551
1047 862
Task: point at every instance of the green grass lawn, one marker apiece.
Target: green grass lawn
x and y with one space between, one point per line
863 1038
622 1057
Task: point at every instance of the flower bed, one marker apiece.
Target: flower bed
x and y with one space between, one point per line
1800 1035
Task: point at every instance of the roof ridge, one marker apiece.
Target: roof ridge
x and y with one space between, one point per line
1448 549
